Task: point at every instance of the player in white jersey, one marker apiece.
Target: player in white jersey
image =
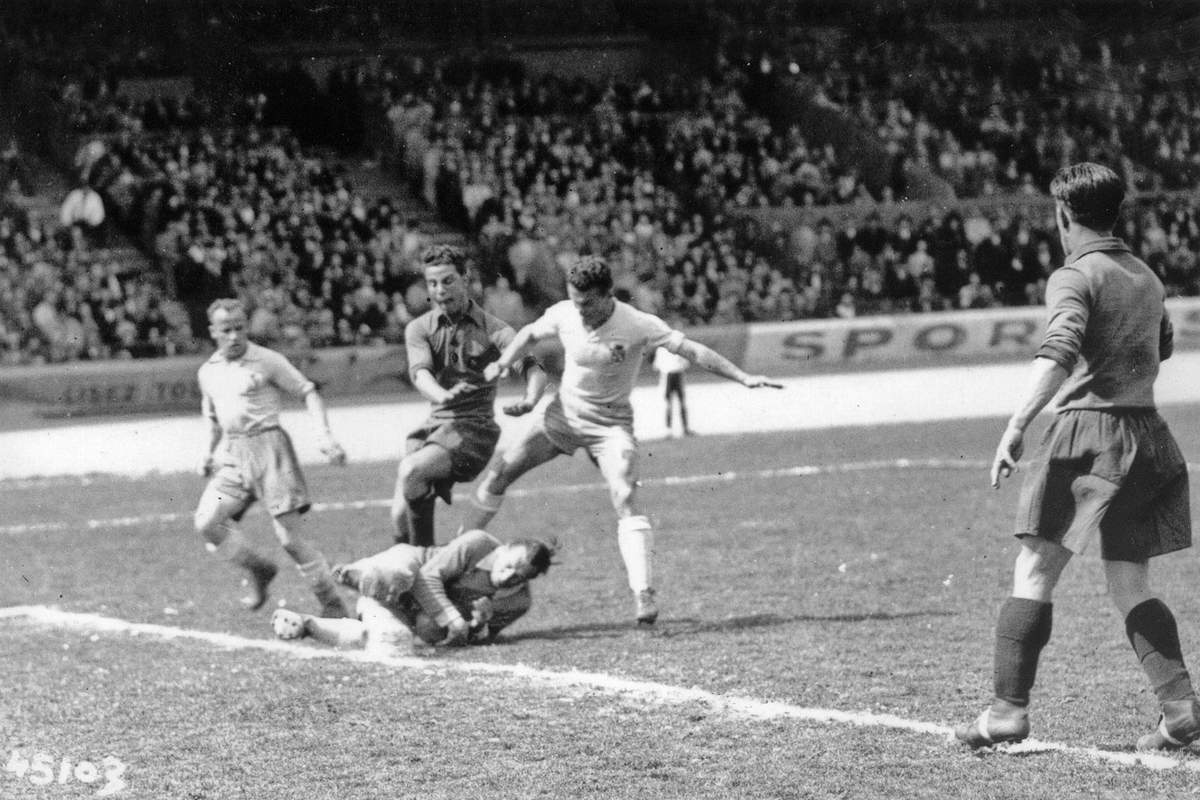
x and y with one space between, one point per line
604 342
250 457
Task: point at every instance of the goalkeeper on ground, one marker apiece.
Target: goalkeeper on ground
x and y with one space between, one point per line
464 592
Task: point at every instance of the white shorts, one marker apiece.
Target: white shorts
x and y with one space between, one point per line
605 443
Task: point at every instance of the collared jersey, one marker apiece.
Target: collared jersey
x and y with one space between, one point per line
458 351
243 395
1108 326
600 366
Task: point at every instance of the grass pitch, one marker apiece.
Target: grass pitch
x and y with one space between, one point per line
869 587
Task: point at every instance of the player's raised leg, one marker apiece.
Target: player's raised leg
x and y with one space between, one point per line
415 493
533 450
291 529
1022 631
618 459
214 521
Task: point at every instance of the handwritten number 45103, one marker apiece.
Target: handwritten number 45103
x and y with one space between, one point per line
41 769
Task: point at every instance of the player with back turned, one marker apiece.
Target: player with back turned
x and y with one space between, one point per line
1108 467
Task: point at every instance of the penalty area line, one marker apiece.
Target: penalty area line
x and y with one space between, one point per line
803 471
612 685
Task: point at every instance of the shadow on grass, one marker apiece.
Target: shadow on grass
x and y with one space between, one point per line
687 626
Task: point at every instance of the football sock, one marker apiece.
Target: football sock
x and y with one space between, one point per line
1154 635
635 540
1022 630
339 632
384 633
419 515
403 533
234 549
484 505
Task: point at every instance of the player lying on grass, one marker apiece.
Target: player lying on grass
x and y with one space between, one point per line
250 457
464 592
604 341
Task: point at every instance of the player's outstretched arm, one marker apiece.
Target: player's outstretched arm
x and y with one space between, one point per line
516 348
316 409
714 362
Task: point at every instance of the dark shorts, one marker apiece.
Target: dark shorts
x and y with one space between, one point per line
674 384
470 443
262 466
1117 472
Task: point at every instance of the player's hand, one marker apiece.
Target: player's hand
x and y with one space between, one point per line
519 408
334 452
494 371
482 612
458 633
207 467
1008 453
760 382
459 389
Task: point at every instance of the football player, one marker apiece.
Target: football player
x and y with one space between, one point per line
604 341
448 348
464 592
250 457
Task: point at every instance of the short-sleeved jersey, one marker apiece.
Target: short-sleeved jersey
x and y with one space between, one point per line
458 351
601 366
1107 325
243 395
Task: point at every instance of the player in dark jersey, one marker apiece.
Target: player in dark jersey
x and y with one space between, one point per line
1107 468
464 592
448 348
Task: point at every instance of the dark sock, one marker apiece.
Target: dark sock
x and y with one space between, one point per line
1022 630
420 521
1154 635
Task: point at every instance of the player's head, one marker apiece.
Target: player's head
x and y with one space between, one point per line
227 327
589 286
445 268
519 561
1089 195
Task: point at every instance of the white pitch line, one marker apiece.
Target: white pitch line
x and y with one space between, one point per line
114 523
650 691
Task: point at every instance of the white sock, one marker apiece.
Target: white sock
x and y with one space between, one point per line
635 539
386 635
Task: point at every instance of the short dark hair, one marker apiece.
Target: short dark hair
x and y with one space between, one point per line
1091 194
440 255
591 272
540 553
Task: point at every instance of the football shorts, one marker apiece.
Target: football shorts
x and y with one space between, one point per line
606 444
469 441
262 466
1119 473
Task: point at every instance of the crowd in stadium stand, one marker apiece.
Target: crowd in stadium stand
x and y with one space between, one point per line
655 174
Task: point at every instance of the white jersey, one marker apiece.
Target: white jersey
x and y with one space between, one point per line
601 366
243 395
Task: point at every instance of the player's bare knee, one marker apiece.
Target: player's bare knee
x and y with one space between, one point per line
622 496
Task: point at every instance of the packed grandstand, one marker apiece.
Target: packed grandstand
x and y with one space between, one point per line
734 162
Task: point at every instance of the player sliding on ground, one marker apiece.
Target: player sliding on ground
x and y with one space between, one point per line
250 456
463 593
604 342
1108 467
